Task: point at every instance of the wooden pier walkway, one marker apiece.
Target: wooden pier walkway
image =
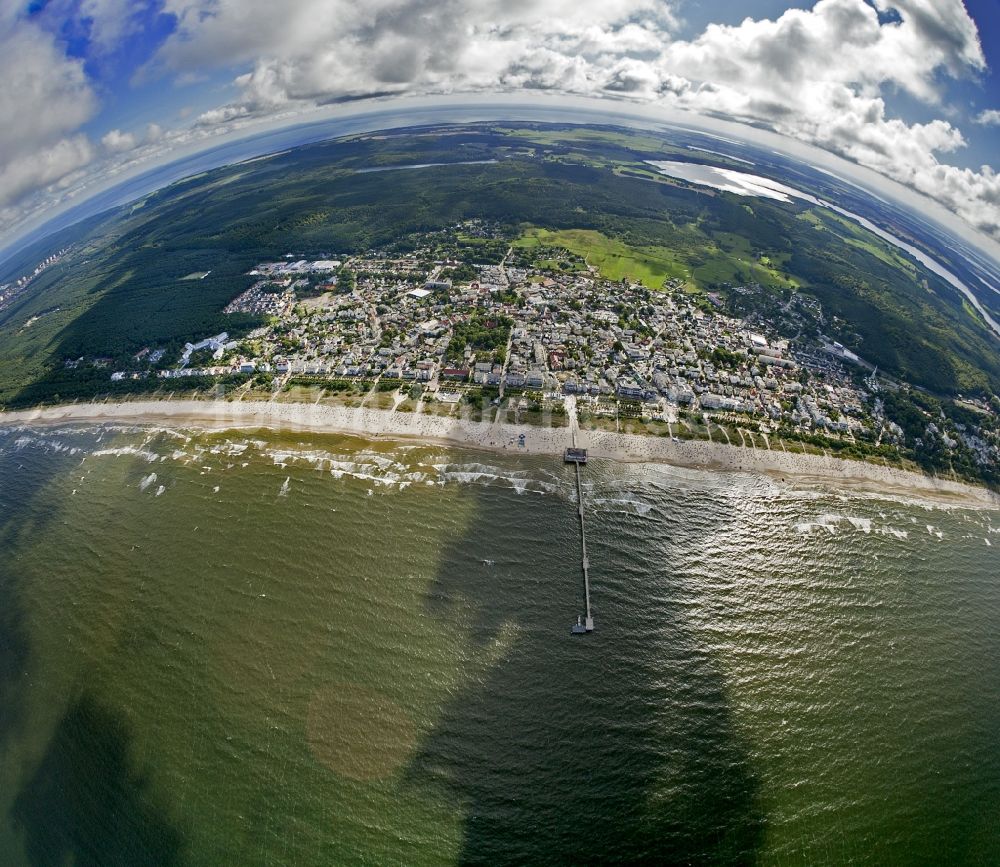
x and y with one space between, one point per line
577 456
588 623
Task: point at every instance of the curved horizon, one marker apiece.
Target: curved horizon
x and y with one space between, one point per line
269 136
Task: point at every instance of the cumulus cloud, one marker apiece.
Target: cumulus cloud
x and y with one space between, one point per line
942 26
44 100
55 165
116 141
989 117
112 20
837 42
323 50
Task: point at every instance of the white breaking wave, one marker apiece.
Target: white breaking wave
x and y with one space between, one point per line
122 451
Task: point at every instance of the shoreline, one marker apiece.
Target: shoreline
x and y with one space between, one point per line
378 424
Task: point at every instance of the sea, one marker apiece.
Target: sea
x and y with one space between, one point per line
270 649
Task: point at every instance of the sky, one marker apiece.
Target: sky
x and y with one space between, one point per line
94 90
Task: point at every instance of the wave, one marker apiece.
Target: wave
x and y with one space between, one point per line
621 505
126 451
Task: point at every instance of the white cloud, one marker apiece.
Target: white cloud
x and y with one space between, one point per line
942 27
53 166
837 42
111 19
116 141
44 94
322 50
44 100
989 117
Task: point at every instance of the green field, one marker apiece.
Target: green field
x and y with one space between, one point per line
614 259
702 266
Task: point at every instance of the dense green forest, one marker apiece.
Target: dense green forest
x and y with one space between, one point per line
121 289
485 336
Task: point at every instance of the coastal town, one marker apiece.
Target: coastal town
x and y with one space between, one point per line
17 288
534 330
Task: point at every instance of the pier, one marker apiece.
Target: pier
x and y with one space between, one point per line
577 457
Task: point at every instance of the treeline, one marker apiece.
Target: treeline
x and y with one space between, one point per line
94 384
482 333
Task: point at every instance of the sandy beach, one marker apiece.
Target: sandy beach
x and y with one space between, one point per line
802 469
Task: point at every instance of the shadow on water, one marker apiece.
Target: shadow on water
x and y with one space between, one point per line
617 747
13 657
83 803
26 516
86 804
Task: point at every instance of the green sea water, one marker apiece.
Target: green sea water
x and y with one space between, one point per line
258 650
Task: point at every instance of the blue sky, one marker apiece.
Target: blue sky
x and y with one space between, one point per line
984 147
101 88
